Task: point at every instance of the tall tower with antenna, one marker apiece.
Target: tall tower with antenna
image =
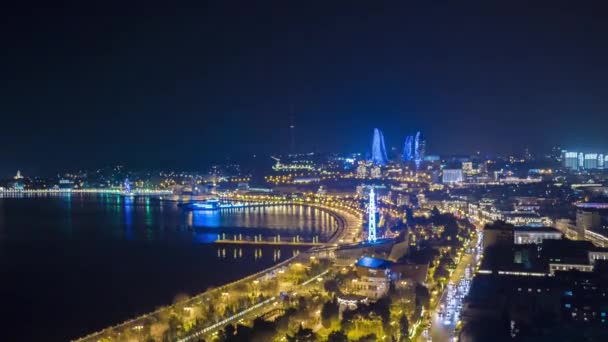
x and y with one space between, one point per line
371 225
292 131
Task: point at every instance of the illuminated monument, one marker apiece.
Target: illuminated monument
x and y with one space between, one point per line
371 228
127 186
407 148
378 148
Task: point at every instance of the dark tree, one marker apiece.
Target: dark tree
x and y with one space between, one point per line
331 286
422 296
302 335
404 327
368 338
337 336
329 313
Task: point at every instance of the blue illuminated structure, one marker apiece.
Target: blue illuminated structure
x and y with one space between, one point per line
375 263
127 187
407 148
210 204
371 222
378 149
417 147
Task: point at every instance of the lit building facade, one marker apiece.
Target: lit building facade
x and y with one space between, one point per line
419 147
451 176
534 235
376 172
587 220
379 156
408 154
571 160
362 170
590 161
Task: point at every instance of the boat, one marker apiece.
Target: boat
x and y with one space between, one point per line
210 204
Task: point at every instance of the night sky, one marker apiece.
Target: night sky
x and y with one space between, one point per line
86 84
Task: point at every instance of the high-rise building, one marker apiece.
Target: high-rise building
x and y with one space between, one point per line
376 172
408 154
362 170
581 160
452 176
571 160
586 220
467 167
600 161
590 161
527 154
419 147
378 148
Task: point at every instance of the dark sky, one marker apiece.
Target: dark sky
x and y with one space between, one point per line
91 83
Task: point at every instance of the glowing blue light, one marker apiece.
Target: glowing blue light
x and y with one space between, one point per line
378 149
127 186
407 148
206 218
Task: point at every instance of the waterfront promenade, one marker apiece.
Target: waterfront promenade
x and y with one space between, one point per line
250 296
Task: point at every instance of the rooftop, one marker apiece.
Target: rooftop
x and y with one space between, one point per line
536 229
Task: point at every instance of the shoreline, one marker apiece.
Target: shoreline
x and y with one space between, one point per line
138 321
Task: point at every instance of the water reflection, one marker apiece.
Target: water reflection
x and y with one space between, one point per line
206 218
128 209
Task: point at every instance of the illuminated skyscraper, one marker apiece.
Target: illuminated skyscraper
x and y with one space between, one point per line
571 160
590 162
408 154
600 161
452 176
419 147
371 227
378 149
581 160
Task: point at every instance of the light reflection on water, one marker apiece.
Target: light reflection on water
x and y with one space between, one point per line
132 253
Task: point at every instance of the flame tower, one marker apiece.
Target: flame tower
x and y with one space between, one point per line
371 228
407 148
378 148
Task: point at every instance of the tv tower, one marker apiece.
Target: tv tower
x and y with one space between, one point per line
292 131
371 228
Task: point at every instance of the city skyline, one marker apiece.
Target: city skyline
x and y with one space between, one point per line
332 171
